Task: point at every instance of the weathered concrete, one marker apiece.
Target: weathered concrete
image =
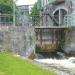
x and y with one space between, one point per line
69 46
18 39
22 40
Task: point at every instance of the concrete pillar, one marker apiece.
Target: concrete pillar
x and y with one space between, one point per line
60 16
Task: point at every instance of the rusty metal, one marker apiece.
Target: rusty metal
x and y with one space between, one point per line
48 45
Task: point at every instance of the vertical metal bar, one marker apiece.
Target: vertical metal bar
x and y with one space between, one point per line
59 17
9 20
57 36
13 12
42 19
46 11
5 20
41 36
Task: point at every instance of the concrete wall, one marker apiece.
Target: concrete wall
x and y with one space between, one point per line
18 39
22 40
69 45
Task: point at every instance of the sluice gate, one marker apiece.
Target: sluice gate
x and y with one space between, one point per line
49 39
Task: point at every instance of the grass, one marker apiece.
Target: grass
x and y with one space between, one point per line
11 65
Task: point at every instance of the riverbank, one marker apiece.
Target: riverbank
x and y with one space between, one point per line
11 64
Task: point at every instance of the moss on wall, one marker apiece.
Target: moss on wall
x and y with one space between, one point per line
46 47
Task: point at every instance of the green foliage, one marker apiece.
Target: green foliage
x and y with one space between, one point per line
46 48
6 6
10 64
34 10
35 15
39 4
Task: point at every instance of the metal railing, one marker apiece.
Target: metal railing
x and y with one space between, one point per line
45 20
6 19
35 20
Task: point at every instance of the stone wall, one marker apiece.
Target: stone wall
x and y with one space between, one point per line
22 40
69 45
18 39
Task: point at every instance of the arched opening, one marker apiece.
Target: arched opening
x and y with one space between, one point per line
59 15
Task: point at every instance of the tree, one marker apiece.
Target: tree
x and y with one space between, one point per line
34 10
35 14
6 10
6 6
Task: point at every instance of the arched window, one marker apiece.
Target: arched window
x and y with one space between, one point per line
59 15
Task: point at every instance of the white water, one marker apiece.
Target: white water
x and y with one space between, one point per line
65 63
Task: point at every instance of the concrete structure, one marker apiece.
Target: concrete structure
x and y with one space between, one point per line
61 6
18 39
55 13
58 18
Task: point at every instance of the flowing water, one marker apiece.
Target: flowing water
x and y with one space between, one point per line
60 66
